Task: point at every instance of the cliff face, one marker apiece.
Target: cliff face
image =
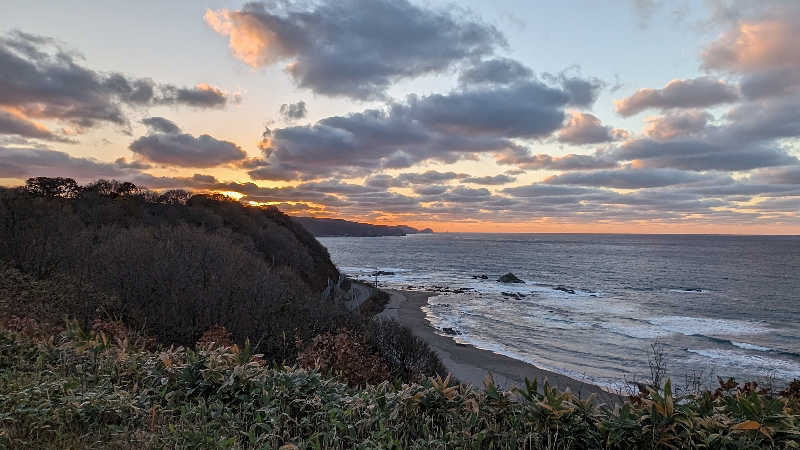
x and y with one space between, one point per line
338 227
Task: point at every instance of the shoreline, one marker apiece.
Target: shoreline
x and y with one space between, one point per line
469 364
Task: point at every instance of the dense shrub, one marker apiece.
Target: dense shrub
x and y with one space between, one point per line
345 354
79 390
408 357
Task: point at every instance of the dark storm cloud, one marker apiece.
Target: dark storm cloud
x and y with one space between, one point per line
583 128
40 79
354 48
628 178
692 93
166 145
291 111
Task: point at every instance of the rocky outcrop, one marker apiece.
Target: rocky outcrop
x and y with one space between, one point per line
509 278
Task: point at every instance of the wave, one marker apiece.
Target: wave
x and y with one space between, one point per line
781 368
702 326
752 347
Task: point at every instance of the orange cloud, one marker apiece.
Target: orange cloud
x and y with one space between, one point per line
754 46
254 44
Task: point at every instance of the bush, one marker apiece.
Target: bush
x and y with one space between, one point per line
408 357
78 390
345 354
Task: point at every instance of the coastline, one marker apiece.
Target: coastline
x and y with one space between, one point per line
469 364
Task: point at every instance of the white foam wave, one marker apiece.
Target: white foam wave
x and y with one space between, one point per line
752 363
691 326
747 346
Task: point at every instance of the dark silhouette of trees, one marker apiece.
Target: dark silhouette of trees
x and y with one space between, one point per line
52 187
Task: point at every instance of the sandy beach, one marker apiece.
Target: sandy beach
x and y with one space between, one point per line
471 365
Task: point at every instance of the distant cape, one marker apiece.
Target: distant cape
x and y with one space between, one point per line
321 227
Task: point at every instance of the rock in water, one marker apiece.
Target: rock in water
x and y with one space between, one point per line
509 278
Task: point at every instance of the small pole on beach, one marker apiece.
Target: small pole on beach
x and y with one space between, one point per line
376 278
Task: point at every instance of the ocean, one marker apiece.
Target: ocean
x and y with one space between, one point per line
592 305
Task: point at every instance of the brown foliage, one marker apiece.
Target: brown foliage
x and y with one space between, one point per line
216 336
347 354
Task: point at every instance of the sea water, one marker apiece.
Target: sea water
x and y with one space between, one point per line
718 305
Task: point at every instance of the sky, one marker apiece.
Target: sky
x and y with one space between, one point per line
633 116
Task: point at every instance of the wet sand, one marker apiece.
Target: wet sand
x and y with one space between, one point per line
470 365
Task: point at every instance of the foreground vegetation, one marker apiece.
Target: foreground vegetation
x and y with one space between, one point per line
96 390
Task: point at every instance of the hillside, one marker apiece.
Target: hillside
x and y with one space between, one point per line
338 227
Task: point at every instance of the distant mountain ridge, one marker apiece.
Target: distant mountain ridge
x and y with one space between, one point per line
321 227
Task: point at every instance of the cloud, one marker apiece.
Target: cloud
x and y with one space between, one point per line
490 180
123 163
291 111
41 80
166 145
779 175
30 162
413 178
692 93
628 178
523 158
441 127
353 48
676 124
699 154
161 125
495 71
582 92
202 96
197 182
583 128
752 45
13 122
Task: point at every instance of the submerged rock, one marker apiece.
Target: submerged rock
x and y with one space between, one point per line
509 278
480 277
380 273
450 331
565 289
